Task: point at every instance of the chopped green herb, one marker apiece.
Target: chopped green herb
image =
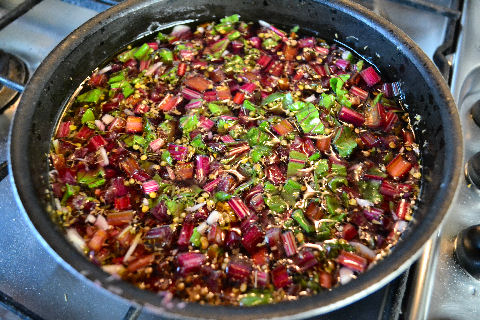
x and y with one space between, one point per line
345 141
90 96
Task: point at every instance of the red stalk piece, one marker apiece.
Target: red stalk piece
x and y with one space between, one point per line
398 167
96 142
122 203
210 96
190 261
238 207
283 127
198 83
262 278
370 76
190 94
306 260
264 61
239 270
182 68
119 218
209 187
177 152
205 123
403 209
141 262
239 97
98 240
169 102
289 243
352 261
150 186
356 91
342 64
351 116
185 234
248 87
63 129
349 232
202 167
253 236
280 277
84 133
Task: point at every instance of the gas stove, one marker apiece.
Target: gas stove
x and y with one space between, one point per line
33 285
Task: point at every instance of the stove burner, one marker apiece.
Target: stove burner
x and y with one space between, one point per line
13 69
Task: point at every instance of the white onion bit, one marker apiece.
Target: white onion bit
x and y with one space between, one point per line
76 239
213 217
345 275
103 154
101 222
400 226
90 218
311 98
153 68
100 125
364 250
202 227
195 207
364 203
113 268
179 30
105 69
128 112
107 119
264 24
132 248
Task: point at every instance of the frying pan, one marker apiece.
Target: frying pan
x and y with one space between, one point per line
397 57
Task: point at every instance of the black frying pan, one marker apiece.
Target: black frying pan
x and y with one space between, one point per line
377 40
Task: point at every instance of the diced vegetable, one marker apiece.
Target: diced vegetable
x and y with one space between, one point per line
92 96
398 167
344 141
239 208
370 76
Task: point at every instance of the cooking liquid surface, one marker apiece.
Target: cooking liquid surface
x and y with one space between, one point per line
235 164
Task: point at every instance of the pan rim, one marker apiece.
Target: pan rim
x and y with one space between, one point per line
390 267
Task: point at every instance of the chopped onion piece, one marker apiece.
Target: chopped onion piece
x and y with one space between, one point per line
132 247
364 203
310 98
101 222
99 124
195 207
107 119
179 30
202 227
90 219
76 239
345 275
103 154
151 70
105 69
214 217
400 226
114 269
364 250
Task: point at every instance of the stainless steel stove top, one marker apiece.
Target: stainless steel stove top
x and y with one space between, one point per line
440 289
445 290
